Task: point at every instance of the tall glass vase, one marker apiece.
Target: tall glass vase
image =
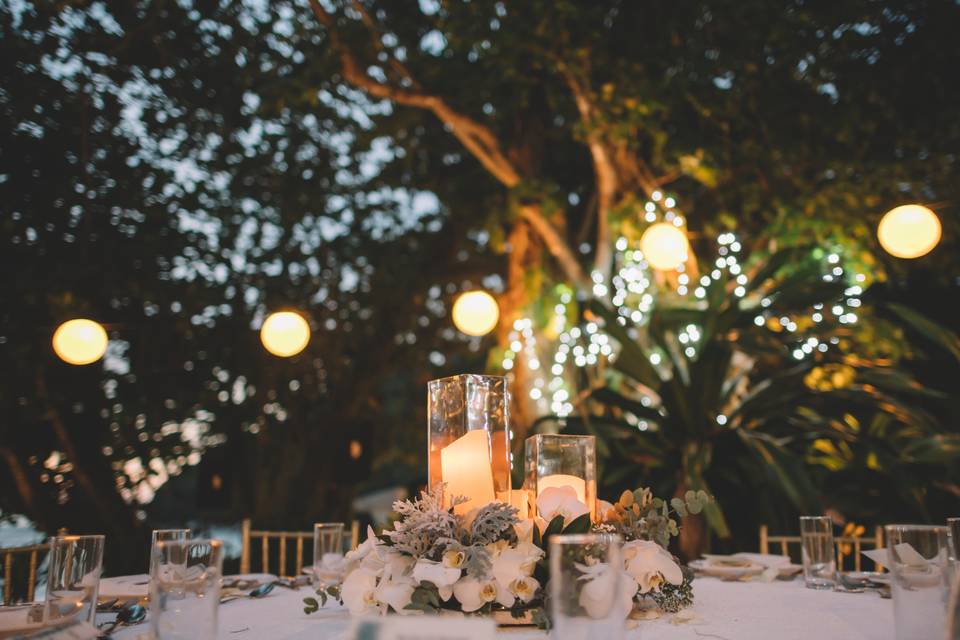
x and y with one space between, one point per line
468 439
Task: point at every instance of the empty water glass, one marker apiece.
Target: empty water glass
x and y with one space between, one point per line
819 557
328 563
917 557
74 577
953 526
166 535
585 589
953 609
185 589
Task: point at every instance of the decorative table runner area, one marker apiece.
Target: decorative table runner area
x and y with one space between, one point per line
724 610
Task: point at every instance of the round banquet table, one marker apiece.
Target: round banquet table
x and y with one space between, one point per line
722 610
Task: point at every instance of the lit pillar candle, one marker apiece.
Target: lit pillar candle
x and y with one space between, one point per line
518 498
466 471
564 480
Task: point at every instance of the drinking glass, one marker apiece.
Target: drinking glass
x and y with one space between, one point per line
165 535
953 609
74 577
327 553
953 525
917 557
819 556
185 589
585 575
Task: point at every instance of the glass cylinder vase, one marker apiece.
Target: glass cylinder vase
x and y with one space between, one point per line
468 439
557 461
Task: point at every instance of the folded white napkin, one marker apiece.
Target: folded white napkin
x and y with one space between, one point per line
907 553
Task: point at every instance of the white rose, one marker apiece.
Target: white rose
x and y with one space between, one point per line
473 594
650 564
359 591
396 593
560 501
435 572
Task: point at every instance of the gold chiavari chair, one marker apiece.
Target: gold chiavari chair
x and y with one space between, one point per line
11 562
248 535
849 544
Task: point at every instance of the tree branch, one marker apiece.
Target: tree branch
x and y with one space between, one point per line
19 478
606 174
476 137
556 245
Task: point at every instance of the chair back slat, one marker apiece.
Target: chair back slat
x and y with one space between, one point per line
32 556
846 546
7 576
249 535
299 555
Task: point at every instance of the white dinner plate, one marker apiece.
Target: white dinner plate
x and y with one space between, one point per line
14 621
718 568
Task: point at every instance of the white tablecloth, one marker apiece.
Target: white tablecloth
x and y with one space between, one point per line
722 610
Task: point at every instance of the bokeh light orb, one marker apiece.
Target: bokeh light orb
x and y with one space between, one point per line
664 246
80 341
285 333
909 231
475 313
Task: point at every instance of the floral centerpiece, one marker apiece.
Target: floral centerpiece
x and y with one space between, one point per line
489 561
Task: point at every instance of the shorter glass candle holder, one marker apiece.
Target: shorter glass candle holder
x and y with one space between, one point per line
557 461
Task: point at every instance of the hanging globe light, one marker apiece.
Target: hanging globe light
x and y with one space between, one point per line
285 333
664 246
909 231
475 313
80 341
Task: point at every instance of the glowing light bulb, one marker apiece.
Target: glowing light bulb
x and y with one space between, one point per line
664 246
80 341
909 231
285 333
475 313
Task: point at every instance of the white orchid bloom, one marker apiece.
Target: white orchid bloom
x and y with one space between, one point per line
650 565
473 594
435 572
560 501
396 566
524 588
359 591
396 593
524 530
516 562
354 558
453 559
606 590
